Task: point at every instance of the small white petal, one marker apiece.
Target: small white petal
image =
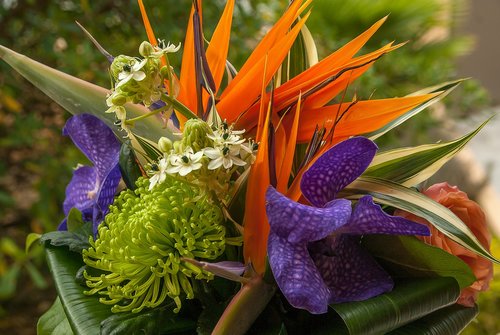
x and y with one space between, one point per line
215 164
139 75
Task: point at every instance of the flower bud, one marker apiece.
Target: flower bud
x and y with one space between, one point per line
165 145
195 135
146 49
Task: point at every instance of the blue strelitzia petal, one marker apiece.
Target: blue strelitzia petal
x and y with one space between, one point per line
337 168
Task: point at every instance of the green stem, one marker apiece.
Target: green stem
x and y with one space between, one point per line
178 106
245 307
143 116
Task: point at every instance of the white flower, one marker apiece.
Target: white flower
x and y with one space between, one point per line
162 49
134 73
224 156
159 175
185 163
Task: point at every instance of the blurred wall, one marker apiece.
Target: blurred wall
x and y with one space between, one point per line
483 63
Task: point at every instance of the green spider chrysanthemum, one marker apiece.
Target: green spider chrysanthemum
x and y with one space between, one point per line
142 240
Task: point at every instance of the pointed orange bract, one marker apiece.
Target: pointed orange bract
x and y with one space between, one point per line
363 117
255 221
187 80
147 24
277 32
286 167
245 93
219 44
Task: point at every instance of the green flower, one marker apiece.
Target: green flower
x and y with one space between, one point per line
142 240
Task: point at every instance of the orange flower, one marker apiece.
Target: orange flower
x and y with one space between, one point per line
472 215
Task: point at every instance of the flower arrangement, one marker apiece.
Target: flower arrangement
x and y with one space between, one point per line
254 201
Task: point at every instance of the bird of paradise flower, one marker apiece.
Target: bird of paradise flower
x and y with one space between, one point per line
281 117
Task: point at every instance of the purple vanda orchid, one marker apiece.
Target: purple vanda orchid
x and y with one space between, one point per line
313 251
92 188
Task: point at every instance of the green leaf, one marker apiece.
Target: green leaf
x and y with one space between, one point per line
36 277
156 321
8 281
408 301
54 321
410 166
84 313
150 149
388 193
129 165
446 321
410 257
76 240
78 96
444 88
30 239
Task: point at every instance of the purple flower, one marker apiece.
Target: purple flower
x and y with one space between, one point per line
314 252
92 188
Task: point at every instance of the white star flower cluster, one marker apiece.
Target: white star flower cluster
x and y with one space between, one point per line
222 152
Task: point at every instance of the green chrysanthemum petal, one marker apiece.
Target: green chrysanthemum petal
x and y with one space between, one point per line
142 240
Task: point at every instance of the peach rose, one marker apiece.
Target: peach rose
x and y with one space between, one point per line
472 215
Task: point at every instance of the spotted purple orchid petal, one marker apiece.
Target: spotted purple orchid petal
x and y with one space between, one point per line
293 226
92 188
313 251
299 223
297 276
349 272
336 168
369 218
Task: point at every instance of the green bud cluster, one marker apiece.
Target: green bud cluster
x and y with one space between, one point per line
142 240
195 135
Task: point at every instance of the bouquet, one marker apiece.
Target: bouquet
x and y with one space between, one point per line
256 200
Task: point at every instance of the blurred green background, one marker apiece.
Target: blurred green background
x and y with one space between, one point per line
34 171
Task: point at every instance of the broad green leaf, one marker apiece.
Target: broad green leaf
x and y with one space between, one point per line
84 313
444 88
76 240
408 301
389 193
78 96
450 320
410 257
129 165
54 321
159 321
410 166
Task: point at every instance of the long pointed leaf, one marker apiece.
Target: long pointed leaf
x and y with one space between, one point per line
444 88
389 193
410 257
78 96
410 166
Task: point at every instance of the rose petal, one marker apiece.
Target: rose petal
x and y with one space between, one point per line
337 168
